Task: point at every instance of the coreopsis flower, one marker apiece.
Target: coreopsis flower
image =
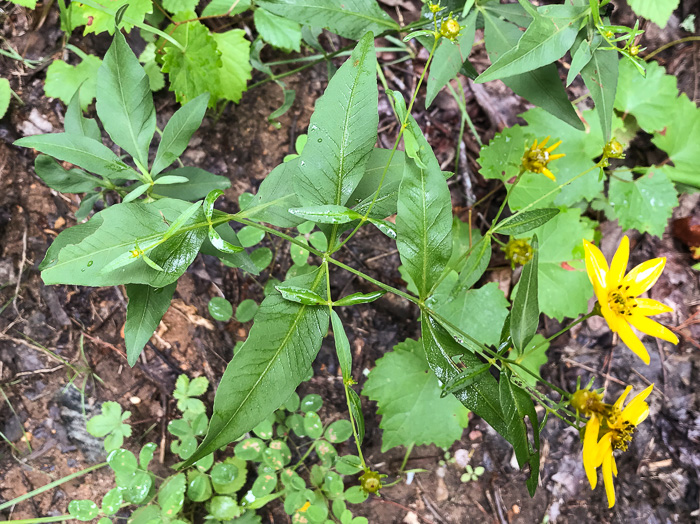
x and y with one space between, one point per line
615 426
618 293
537 157
371 481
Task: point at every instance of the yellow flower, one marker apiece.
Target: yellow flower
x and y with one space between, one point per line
617 295
618 425
537 157
306 506
518 251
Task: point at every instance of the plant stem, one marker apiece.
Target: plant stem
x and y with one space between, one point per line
671 44
409 449
47 487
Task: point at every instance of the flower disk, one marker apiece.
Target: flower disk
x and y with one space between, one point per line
536 158
618 293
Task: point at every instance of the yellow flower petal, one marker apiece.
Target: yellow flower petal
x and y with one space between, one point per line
590 441
610 317
648 307
608 478
621 399
596 265
541 145
653 328
614 466
618 264
637 410
552 147
645 275
557 156
632 341
546 172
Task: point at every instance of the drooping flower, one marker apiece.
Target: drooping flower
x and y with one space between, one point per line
616 426
518 251
450 28
618 293
537 157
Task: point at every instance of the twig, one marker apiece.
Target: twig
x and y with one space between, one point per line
21 270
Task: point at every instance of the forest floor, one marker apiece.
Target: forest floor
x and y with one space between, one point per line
47 379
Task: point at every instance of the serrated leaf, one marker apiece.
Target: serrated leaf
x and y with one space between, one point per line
348 18
449 58
223 7
117 229
477 312
658 11
177 6
408 399
125 103
177 133
424 216
81 151
64 80
146 308
342 131
644 204
540 86
269 366
98 15
649 98
525 314
235 70
600 76
546 39
278 31
195 70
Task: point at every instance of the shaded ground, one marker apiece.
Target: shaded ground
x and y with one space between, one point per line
658 479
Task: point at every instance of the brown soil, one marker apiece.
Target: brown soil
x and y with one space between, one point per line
659 477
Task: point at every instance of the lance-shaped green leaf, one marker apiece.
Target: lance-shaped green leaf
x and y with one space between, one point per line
276 196
477 262
146 308
221 244
75 123
342 131
464 379
481 396
347 18
327 214
124 100
526 221
517 405
182 220
273 361
385 203
526 309
81 151
385 227
178 131
600 76
342 347
580 57
64 180
300 295
239 258
199 183
449 58
546 40
424 216
81 258
356 411
541 86
359 298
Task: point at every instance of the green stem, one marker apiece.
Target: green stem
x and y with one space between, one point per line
409 449
61 518
671 44
49 486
